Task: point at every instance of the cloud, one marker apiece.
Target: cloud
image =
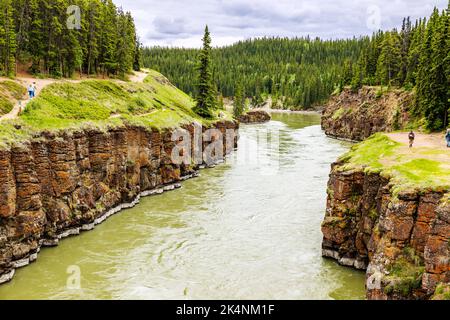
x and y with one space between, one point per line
169 26
170 29
181 23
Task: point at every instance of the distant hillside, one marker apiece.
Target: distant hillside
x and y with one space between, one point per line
304 72
301 72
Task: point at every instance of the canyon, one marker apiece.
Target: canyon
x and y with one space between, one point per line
60 184
399 235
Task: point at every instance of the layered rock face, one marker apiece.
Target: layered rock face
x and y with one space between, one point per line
60 184
402 240
357 115
255 116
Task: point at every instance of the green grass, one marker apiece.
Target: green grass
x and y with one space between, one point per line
370 152
10 90
15 90
5 105
420 168
155 103
423 170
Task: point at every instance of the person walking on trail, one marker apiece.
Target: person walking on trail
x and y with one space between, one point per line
34 89
412 137
447 137
31 91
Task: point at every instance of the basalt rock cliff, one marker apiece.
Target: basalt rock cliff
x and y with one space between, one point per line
357 115
59 184
401 239
255 116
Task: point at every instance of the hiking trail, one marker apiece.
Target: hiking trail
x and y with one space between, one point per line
137 76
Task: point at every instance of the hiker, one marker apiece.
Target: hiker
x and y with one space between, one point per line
31 91
411 136
34 89
447 137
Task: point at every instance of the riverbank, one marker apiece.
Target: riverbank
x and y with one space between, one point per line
217 237
255 116
81 152
57 185
388 213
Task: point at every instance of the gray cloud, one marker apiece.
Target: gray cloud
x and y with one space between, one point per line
181 23
169 26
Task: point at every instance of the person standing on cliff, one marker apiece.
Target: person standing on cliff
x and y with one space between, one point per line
412 137
447 137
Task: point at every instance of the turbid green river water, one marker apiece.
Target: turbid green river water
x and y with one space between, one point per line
247 229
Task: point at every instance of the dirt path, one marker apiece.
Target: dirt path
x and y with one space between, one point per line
434 141
40 84
138 76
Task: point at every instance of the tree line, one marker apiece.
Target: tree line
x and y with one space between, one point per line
35 34
298 72
303 72
415 57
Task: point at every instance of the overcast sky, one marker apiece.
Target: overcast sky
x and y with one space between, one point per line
181 22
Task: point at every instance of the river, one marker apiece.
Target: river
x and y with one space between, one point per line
247 229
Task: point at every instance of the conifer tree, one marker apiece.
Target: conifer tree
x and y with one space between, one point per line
7 39
205 100
239 101
35 33
389 62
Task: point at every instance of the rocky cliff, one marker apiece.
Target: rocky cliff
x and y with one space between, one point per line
357 115
255 116
402 238
57 185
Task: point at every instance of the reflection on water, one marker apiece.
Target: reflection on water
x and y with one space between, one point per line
237 232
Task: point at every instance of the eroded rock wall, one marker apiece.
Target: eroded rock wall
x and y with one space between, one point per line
357 115
255 116
403 241
60 184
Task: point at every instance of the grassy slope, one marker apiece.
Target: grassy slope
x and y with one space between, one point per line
100 104
9 92
420 168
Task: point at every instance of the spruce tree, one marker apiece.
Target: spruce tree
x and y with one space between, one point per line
137 63
7 39
205 100
432 90
389 62
239 101
35 33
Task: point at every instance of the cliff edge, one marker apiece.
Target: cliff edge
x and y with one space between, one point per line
388 212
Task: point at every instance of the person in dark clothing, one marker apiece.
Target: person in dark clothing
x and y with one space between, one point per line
447 137
411 136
